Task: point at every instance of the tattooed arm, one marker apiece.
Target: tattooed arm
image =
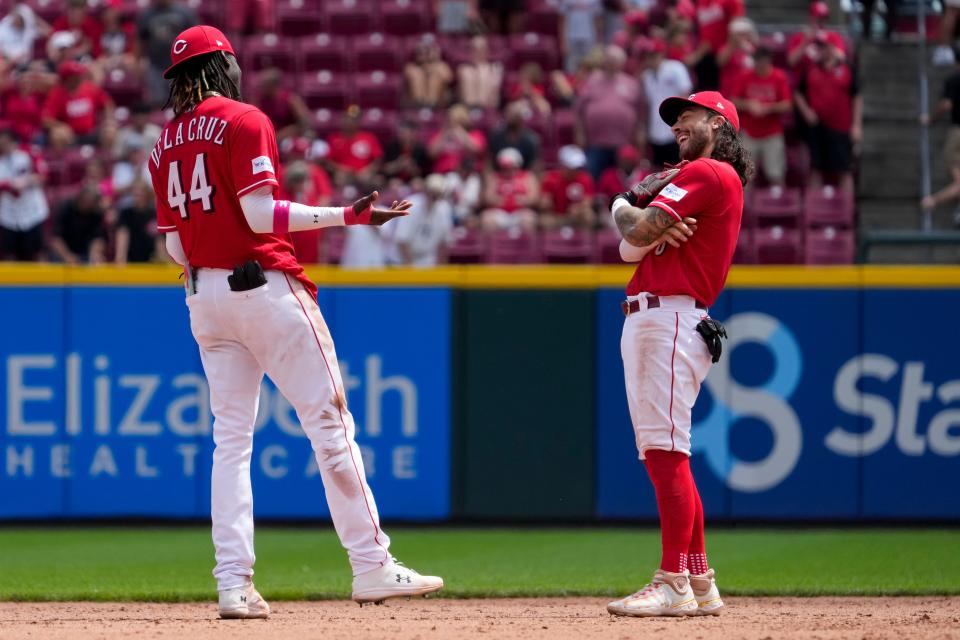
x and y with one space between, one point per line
642 227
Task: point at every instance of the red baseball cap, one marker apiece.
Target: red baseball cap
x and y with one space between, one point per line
671 108
628 152
196 41
71 68
820 10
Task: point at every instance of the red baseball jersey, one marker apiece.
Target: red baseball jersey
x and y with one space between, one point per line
204 161
711 192
565 191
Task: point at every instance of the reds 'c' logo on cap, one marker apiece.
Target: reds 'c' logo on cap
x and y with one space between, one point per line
179 46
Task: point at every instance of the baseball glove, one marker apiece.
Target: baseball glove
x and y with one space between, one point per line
712 330
643 193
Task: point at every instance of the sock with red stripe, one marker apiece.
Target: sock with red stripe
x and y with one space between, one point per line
697 554
669 472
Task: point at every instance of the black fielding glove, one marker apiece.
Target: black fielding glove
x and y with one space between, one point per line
712 330
247 276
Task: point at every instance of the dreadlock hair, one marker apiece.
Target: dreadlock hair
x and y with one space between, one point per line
729 148
197 76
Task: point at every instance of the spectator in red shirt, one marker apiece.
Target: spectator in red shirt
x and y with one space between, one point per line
455 141
77 110
530 89
567 198
307 183
630 170
829 100
87 28
21 104
288 112
736 57
802 46
354 154
510 194
713 19
762 96
118 42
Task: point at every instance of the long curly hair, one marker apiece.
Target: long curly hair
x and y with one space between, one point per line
197 76
729 148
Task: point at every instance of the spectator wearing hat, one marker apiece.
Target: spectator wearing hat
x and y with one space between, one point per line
427 76
455 141
421 238
77 110
736 57
287 110
22 102
567 198
139 131
23 205
802 49
762 97
464 187
405 156
305 182
19 29
712 20
480 80
510 194
662 79
157 27
580 29
354 154
631 168
118 42
136 238
517 134
80 234
611 111
78 20
828 98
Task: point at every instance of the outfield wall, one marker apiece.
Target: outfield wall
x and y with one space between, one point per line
493 394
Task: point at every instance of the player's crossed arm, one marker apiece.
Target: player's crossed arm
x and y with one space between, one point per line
651 225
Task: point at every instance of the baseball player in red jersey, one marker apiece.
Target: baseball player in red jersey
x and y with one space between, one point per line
254 311
682 227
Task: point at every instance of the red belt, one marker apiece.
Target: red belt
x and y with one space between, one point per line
653 302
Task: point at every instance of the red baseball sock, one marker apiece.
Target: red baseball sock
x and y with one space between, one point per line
697 553
670 473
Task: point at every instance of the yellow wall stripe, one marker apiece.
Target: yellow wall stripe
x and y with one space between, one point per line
503 277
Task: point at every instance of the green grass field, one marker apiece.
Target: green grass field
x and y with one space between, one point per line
173 564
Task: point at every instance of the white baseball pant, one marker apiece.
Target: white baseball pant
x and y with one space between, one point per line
665 361
278 329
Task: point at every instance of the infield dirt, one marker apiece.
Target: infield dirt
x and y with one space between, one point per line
526 619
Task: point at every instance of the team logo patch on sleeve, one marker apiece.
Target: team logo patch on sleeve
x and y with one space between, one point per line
261 164
673 192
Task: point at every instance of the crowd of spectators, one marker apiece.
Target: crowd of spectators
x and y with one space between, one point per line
510 115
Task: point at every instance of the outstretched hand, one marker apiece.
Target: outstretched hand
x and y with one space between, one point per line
363 211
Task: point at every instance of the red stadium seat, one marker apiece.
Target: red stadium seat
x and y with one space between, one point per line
377 52
209 11
299 17
606 246
828 206
746 252
405 18
513 246
533 47
379 89
49 10
325 51
326 122
777 245
269 50
830 246
567 246
775 205
351 17
544 20
467 246
326 90
798 165
379 122
564 126
125 88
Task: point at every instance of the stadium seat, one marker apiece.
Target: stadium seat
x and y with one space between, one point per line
533 47
379 89
209 11
775 205
325 51
379 122
746 252
405 17
606 246
49 10
326 121
830 245
326 90
351 17
828 206
378 52
564 126
544 20
567 246
798 165
269 50
513 246
125 88
299 17
467 246
778 245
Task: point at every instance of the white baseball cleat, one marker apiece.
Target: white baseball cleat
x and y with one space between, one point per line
392 580
243 602
704 588
668 594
